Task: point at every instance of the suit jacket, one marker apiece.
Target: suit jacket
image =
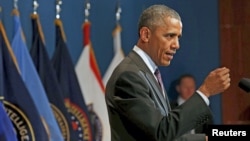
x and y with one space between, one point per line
138 111
200 129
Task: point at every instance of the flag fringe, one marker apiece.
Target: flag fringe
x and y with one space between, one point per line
118 28
59 23
2 31
15 12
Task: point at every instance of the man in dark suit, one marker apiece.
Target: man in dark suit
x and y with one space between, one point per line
185 87
135 97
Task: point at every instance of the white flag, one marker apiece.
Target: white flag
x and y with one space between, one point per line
118 54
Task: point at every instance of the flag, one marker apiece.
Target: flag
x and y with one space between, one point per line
6 127
7 132
17 101
119 55
66 75
92 86
32 80
49 80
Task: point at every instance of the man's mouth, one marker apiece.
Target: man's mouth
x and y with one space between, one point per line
170 54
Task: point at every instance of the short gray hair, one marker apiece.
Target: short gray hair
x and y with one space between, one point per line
153 15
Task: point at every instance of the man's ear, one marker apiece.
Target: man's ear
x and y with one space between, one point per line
145 34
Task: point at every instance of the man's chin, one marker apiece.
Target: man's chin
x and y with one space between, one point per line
167 63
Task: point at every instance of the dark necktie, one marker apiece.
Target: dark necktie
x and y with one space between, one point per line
158 76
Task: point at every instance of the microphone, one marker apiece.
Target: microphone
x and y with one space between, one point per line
244 84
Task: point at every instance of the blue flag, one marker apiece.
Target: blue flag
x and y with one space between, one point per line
17 101
48 77
69 84
32 81
6 128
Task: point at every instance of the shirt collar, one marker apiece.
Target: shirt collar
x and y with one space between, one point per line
148 61
180 100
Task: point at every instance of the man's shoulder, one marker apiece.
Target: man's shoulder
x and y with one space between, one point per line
127 64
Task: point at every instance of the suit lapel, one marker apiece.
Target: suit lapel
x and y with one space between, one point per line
150 78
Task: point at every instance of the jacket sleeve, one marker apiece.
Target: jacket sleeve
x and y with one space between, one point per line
142 117
192 137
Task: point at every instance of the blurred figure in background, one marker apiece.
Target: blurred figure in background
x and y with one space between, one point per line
186 87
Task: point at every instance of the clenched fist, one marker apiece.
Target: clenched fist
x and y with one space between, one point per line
216 82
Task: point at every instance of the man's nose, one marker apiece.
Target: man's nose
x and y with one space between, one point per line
176 44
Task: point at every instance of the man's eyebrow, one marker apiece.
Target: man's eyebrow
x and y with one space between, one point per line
174 34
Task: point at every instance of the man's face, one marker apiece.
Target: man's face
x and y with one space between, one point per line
186 88
164 41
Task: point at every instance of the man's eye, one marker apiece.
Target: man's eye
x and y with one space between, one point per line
179 37
170 35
